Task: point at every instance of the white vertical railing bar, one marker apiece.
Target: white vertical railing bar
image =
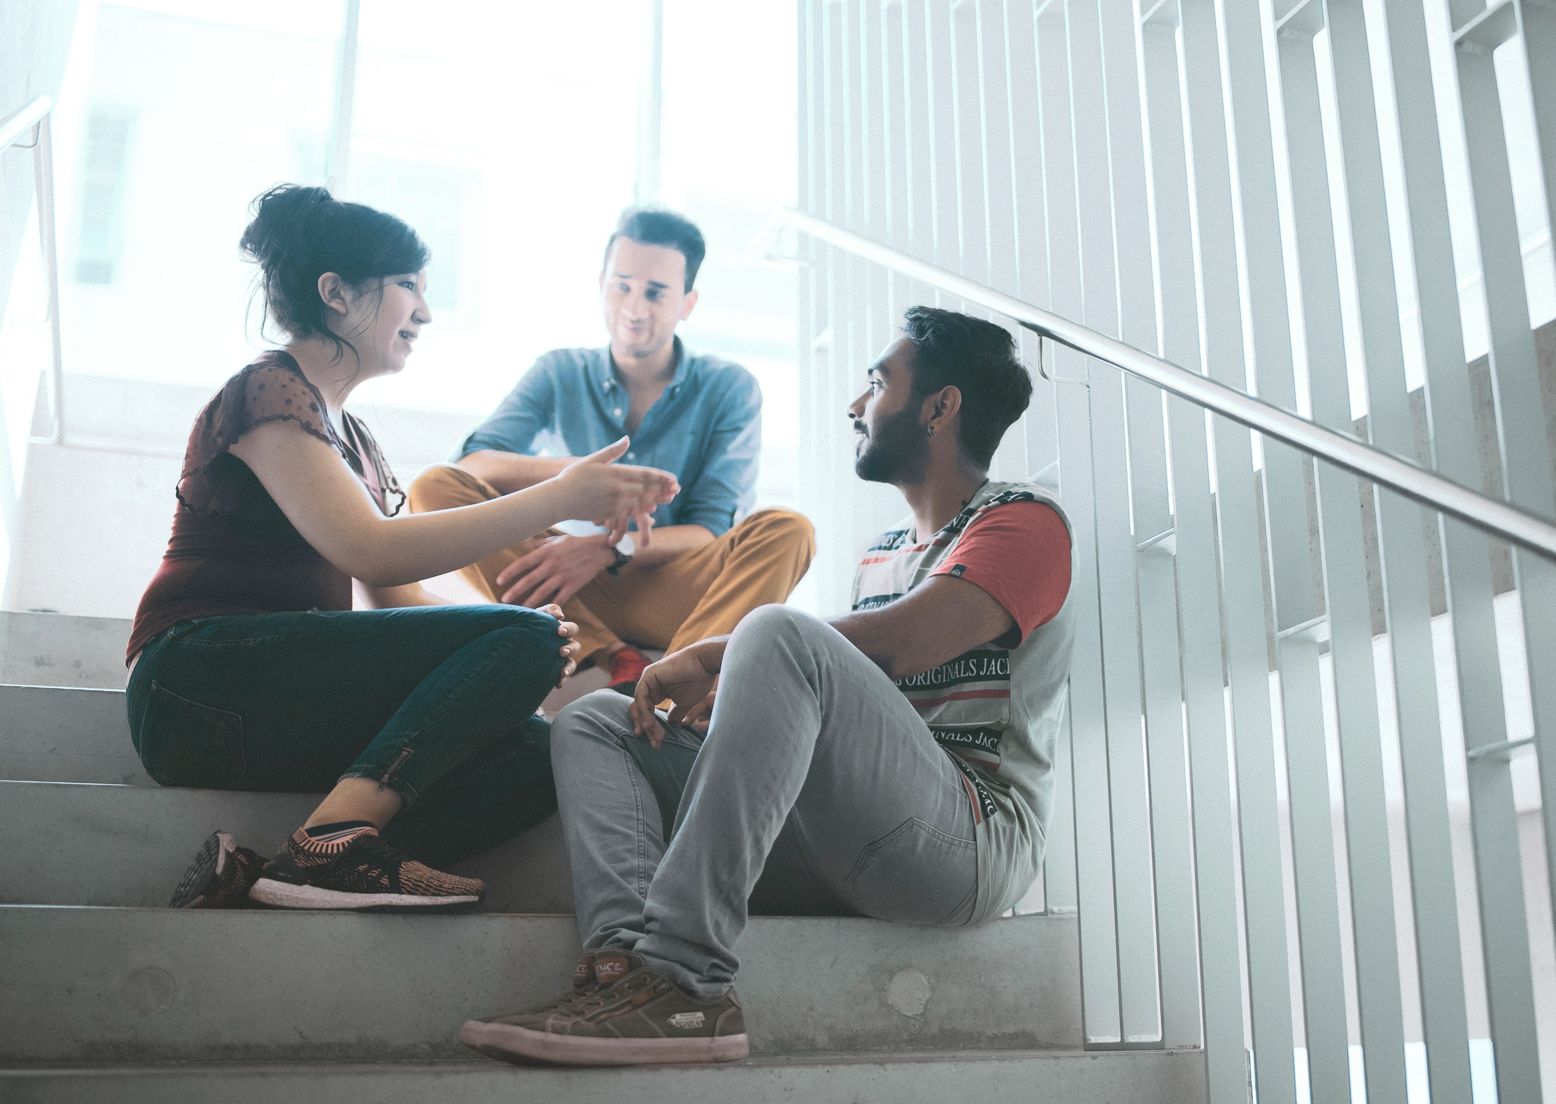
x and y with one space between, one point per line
1133 882
1011 459
1374 931
941 122
919 142
1161 666
1292 576
34 116
972 220
1088 733
835 508
1215 874
1504 929
1537 21
1403 551
1526 459
1313 856
1039 427
896 125
1264 906
811 161
875 189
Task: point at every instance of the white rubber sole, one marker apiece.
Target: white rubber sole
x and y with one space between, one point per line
268 891
510 1043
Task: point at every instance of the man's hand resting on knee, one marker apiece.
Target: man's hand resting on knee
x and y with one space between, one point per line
686 678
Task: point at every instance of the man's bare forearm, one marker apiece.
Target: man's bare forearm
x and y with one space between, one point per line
512 471
872 635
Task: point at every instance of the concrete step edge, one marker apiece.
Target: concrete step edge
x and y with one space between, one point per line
1033 1076
137 985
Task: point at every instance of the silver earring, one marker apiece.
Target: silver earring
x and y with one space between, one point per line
930 430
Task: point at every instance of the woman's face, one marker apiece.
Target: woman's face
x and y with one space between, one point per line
384 319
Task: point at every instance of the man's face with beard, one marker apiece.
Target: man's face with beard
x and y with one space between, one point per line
892 446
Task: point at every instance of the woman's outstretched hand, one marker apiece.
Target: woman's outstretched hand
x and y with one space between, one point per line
613 494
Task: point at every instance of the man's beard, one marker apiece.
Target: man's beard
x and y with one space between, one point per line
897 452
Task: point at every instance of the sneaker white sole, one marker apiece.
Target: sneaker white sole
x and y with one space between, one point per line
510 1043
268 891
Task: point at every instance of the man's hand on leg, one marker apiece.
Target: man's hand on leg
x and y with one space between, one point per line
685 678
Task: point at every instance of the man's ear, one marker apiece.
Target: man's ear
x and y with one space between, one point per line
688 303
335 293
942 407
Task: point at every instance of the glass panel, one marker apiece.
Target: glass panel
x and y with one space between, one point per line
174 116
508 137
729 157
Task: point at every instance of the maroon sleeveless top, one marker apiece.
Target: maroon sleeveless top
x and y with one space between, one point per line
232 549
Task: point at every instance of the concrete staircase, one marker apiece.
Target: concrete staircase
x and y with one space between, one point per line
105 995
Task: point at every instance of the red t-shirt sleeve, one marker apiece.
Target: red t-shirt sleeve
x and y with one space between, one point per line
1019 554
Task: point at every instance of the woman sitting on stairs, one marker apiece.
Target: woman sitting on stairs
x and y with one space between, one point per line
248 668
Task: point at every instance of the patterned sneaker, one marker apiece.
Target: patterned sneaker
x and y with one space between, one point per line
357 870
633 1017
220 875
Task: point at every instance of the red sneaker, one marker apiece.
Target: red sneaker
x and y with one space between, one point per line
627 666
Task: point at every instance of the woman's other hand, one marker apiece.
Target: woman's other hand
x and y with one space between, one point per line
570 647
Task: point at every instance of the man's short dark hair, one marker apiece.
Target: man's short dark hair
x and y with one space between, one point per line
979 358
656 226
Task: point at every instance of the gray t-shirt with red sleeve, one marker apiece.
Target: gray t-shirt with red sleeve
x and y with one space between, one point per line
995 710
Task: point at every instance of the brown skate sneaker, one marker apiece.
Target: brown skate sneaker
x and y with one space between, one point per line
634 1017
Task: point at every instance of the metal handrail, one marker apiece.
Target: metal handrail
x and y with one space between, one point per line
1398 474
33 116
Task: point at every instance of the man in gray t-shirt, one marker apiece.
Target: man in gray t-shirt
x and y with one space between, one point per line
894 761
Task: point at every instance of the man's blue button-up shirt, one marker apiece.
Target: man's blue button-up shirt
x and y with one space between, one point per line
706 427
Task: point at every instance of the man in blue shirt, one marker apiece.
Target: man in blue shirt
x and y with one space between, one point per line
705 564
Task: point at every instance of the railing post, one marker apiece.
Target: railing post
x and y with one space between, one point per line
1373 927
1215 872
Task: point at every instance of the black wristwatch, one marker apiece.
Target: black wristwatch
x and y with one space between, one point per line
623 550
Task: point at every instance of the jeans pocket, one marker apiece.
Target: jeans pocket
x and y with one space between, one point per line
185 743
915 874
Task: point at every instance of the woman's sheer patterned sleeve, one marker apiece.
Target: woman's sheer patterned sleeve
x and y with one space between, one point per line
259 394
273 393
376 474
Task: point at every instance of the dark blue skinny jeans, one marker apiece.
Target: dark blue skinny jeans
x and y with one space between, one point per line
435 702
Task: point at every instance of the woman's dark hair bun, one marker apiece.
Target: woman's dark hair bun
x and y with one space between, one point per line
279 215
299 232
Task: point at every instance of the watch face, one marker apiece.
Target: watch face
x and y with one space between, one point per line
626 546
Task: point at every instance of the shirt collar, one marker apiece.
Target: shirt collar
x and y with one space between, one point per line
606 375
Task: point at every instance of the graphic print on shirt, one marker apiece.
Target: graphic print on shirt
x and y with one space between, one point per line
981 675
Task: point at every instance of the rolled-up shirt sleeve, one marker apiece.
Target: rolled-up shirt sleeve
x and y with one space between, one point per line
528 409
726 486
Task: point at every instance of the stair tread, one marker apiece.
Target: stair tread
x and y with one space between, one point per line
133 984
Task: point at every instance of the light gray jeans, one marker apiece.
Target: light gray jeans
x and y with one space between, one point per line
810 748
